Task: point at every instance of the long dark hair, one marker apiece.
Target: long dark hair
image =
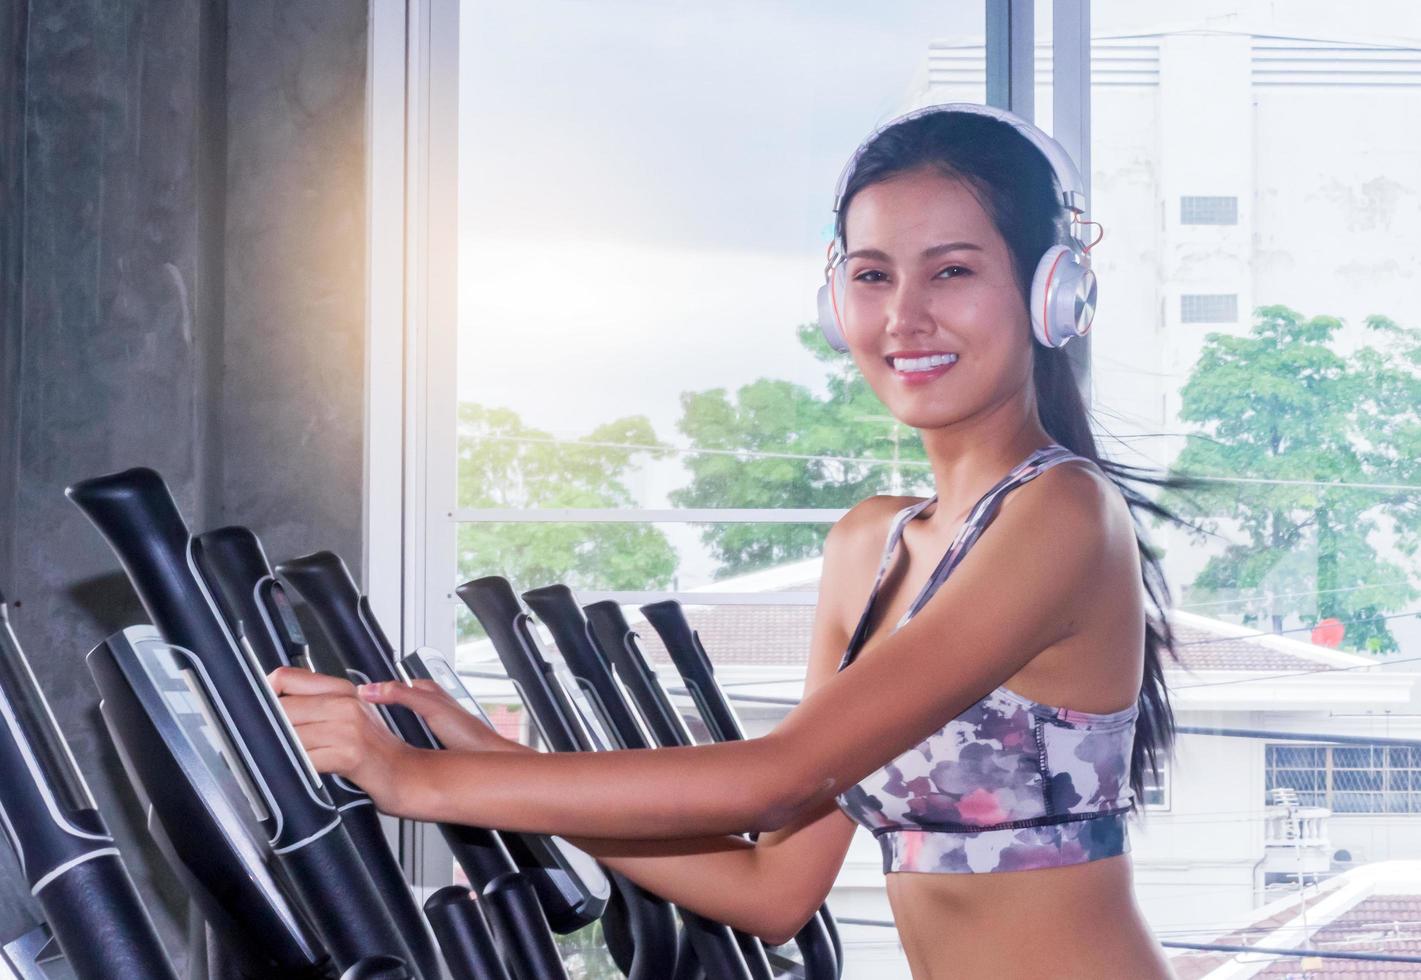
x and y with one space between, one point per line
1017 189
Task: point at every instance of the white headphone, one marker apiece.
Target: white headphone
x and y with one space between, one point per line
1063 288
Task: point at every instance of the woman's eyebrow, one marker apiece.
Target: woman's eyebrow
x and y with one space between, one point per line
928 253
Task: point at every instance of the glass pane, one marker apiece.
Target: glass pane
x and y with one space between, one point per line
1354 758
1310 757
1300 779
639 259
750 558
1251 329
1404 757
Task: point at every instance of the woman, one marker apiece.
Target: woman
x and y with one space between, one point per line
934 704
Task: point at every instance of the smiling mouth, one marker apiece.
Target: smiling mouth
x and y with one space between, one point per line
922 364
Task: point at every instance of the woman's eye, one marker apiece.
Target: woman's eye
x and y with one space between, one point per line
874 275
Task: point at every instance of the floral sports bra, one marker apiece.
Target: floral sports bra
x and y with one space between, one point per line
1010 784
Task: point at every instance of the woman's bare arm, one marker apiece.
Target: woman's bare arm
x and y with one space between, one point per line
1012 596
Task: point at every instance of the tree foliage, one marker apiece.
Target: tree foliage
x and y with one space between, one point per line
504 463
777 444
1282 404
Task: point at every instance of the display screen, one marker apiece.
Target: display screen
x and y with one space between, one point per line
178 683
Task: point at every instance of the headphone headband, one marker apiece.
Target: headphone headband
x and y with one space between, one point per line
1072 187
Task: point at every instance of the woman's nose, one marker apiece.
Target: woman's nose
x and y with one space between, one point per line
907 310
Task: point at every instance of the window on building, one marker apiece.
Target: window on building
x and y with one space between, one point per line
1156 787
1208 308
1208 210
1349 778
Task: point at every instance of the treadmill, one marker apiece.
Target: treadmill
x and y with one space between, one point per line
528 882
309 850
820 948
567 721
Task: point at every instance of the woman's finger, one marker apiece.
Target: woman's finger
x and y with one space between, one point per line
296 680
420 700
331 747
303 709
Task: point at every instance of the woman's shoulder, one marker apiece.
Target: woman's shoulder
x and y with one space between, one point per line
870 518
1087 489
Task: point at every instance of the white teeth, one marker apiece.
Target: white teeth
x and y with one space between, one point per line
922 363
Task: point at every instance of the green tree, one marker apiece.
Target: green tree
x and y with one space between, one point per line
777 444
504 463
1281 404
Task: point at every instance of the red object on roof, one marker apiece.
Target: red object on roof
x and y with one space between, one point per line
1328 633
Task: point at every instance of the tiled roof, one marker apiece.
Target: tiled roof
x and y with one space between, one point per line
1379 924
1373 908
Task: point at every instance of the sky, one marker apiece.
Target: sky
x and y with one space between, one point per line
646 191
646 185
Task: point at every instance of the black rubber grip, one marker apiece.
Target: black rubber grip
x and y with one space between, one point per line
362 824
353 920
713 943
817 939
619 641
695 667
234 563
464 935
557 607
518 922
639 923
95 914
496 606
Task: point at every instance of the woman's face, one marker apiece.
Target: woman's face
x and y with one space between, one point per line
929 276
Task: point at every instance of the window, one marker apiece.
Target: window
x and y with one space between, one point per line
1349 779
1208 210
1208 308
617 386
1157 787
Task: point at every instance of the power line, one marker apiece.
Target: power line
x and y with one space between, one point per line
1305 629
1292 595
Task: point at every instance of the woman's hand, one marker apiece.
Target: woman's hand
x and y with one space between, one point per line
451 724
344 734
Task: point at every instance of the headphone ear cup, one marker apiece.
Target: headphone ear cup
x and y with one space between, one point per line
1063 294
831 302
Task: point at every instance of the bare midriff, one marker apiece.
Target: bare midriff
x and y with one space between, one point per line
1080 920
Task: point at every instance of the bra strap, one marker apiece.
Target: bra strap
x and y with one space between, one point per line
1028 469
981 517
895 532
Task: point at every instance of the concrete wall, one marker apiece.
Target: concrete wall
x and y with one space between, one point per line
181 286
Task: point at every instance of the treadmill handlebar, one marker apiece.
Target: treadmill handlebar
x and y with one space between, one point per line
136 514
64 849
557 607
493 602
694 664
